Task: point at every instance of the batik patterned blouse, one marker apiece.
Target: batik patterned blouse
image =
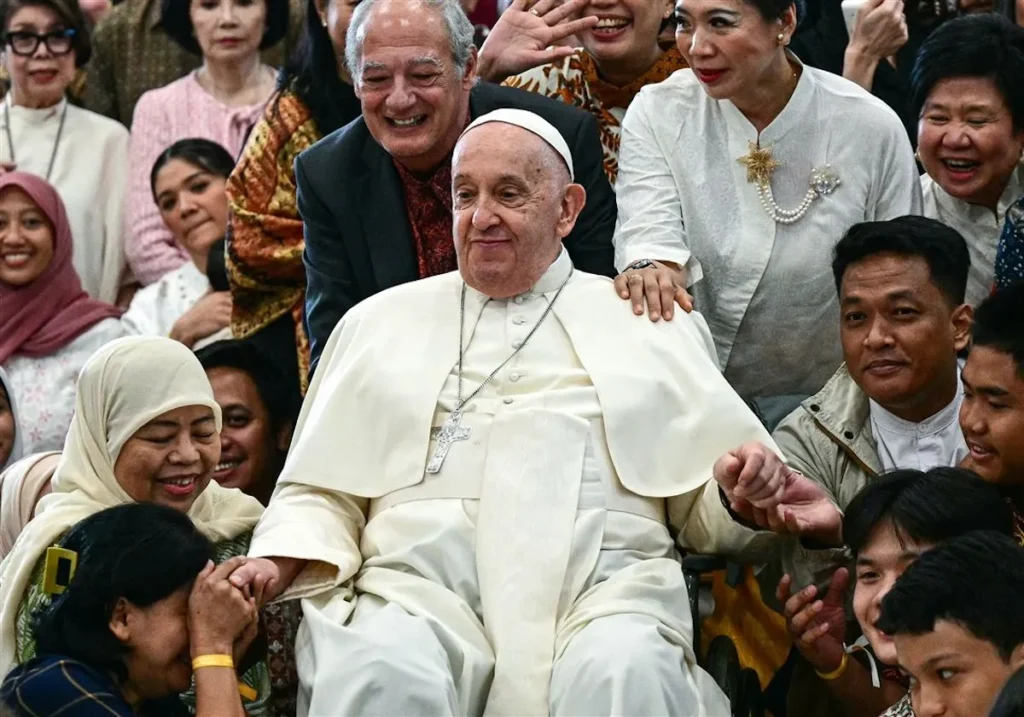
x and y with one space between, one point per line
575 81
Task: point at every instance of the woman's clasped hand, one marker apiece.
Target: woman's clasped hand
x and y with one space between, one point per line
222 620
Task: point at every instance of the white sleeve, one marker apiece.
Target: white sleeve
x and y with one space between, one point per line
650 221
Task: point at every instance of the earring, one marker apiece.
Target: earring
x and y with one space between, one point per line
917 155
782 38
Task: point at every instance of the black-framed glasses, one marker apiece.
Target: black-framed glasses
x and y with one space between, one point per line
25 43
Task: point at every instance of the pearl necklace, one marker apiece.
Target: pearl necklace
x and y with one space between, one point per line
760 167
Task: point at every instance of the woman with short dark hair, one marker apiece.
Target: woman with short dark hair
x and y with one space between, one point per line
128 631
220 102
968 92
83 154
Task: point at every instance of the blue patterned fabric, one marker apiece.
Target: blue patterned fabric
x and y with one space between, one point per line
1010 254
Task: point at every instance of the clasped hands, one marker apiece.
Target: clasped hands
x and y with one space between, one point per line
222 619
766 492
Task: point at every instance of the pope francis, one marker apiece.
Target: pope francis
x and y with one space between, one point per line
478 501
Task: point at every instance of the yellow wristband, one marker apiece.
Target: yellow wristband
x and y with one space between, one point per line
836 673
213 661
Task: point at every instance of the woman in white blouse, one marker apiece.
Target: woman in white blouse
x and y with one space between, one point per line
968 90
737 177
83 154
49 326
188 182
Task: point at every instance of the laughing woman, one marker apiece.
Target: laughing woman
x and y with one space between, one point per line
146 430
968 92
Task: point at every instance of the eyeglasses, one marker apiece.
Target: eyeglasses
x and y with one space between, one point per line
24 43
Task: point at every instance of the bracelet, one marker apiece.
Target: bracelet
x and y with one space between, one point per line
213 661
836 673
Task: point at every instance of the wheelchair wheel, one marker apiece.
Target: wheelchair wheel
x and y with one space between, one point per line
723 664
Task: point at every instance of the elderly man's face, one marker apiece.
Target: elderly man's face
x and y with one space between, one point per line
513 205
414 102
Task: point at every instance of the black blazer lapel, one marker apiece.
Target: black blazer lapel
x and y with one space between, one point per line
385 220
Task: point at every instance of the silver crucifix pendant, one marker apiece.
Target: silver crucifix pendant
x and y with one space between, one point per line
446 434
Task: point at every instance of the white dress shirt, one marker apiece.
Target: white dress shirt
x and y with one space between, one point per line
766 289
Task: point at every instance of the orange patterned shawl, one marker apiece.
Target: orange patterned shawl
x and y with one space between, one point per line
575 81
264 255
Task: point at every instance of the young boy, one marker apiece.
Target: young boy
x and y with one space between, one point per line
955 618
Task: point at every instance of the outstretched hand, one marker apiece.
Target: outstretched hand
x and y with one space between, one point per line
763 490
818 627
524 37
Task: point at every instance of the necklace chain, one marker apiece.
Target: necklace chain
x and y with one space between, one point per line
462 322
56 143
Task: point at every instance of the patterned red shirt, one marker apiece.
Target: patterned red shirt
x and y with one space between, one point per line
428 203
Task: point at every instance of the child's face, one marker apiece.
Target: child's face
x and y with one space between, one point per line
953 673
992 416
880 562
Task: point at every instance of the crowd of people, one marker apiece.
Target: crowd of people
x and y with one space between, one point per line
386 357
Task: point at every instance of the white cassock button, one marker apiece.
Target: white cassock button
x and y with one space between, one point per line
519 320
514 377
507 400
518 300
516 344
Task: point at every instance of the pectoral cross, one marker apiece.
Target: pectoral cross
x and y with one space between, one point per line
446 434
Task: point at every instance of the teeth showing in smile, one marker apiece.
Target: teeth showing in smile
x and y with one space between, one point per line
411 122
182 482
15 259
960 164
611 23
227 466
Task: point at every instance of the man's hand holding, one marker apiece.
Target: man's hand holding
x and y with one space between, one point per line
266 578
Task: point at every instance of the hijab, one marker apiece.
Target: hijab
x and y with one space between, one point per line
48 313
11 401
122 387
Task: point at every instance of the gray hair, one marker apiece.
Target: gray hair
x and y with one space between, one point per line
460 33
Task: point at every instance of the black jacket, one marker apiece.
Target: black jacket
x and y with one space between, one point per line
358 238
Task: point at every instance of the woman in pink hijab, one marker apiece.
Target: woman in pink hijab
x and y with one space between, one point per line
49 326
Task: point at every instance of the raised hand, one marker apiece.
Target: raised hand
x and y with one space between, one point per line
524 37
218 613
818 627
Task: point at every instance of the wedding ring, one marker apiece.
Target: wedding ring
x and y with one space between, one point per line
533 11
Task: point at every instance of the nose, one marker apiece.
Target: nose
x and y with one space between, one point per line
227 12
971 418
956 136
700 43
879 336
484 217
187 206
184 452
401 97
887 582
42 51
928 703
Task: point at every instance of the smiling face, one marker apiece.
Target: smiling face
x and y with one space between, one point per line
966 139
171 459
730 46
900 335
884 557
953 673
625 41
513 205
41 79
415 103
228 30
992 416
26 238
251 452
194 205
156 638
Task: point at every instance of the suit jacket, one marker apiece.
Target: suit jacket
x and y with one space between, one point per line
358 237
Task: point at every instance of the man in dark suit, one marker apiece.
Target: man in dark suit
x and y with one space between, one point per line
375 196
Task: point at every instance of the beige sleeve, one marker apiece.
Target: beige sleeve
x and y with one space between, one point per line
313 524
705 526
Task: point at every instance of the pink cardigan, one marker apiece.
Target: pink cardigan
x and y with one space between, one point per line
180 110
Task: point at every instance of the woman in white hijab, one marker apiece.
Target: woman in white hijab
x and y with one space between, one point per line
146 429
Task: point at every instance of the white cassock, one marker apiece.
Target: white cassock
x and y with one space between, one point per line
534 573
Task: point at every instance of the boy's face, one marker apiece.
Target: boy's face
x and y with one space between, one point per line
953 673
992 416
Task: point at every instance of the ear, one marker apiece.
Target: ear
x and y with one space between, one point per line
321 10
120 620
1017 658
669 7
573 200
962 319
788 20
469 77
284 436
